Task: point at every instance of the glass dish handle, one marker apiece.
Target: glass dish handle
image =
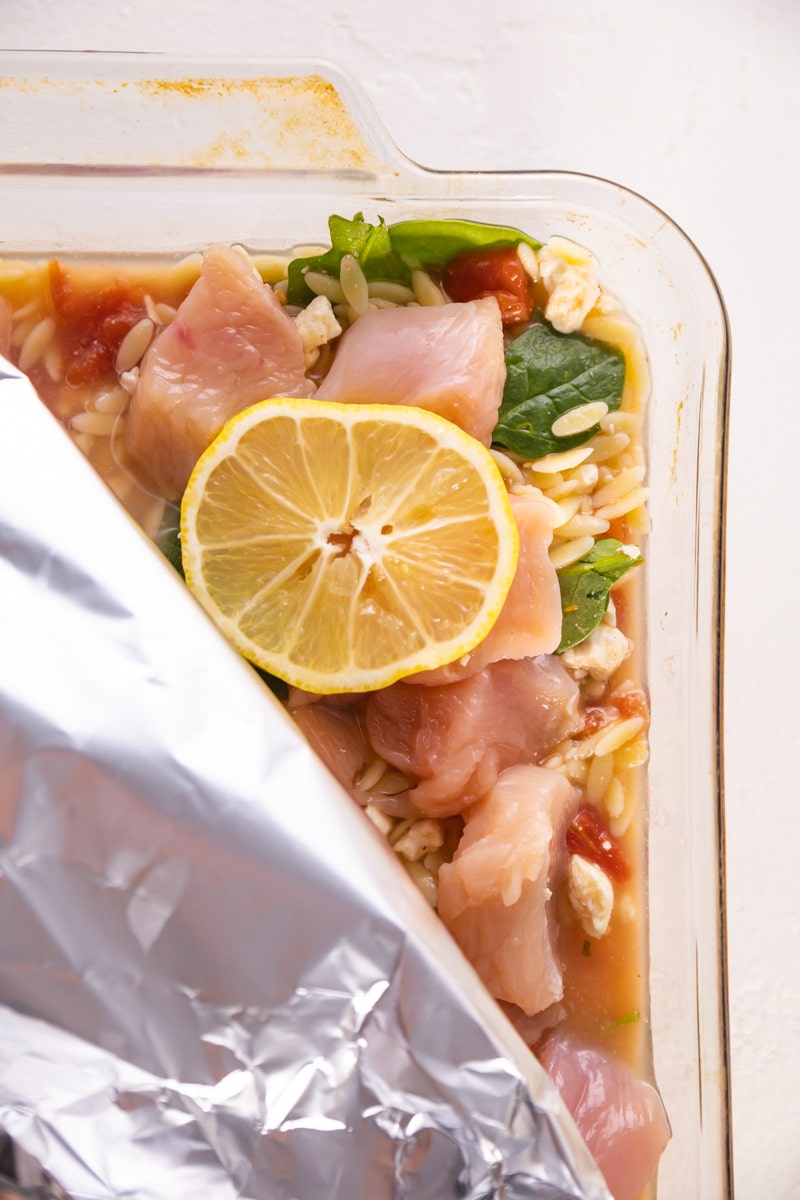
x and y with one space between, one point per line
141 113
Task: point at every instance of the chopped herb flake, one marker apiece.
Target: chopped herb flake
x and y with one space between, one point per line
629 1019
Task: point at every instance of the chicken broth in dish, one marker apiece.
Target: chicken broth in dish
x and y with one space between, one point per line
510 781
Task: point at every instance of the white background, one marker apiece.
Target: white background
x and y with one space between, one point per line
695 104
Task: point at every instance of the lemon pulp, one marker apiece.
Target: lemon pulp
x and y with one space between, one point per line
341 547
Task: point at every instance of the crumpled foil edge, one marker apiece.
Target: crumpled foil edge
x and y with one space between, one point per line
215 977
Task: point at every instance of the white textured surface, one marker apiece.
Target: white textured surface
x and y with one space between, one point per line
695 104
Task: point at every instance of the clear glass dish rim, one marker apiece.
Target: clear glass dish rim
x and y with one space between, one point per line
424 181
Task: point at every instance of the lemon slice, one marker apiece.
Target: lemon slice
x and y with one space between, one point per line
341 546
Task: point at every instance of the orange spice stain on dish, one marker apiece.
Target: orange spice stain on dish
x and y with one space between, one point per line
227 150
676 331
303 119
23 85
678 419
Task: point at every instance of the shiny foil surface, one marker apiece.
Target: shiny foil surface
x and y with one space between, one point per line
215 979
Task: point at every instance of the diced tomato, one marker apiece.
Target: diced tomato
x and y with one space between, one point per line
620 529
594 720
631 703
496 272
588 836
92 323
60 289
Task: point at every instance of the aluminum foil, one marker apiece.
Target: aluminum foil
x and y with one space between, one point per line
215 978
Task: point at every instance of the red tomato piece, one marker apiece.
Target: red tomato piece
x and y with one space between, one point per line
588 836
631 704
60 289
98 336
92 324
497 272
594 720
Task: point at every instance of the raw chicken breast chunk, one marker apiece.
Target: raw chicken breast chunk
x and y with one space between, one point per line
455 739
494 896
621 1118
530 620
229 346
336 736
448 359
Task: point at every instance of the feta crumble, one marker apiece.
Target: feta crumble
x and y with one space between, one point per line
317 325
569 273
420 839
591 894
599 655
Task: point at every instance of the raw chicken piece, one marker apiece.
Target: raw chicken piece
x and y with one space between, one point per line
494 895
337 737
448 359
530 621
532 1029
621 1118
455 739
230 345
334 726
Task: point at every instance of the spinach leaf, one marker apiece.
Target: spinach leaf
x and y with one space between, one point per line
434 243
370 244
586 588
169 543
275 685
391 251
547 374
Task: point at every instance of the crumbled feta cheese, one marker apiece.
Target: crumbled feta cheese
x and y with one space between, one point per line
599 655
568 272
317 324
591 894
610 617
420 839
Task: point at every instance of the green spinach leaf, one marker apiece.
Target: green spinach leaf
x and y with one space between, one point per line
370 244
586 588
434 243
391 251
169 543
547 374
275 685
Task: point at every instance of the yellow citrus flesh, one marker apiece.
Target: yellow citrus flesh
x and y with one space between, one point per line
341 547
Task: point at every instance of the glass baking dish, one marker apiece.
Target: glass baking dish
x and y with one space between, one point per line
145 155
